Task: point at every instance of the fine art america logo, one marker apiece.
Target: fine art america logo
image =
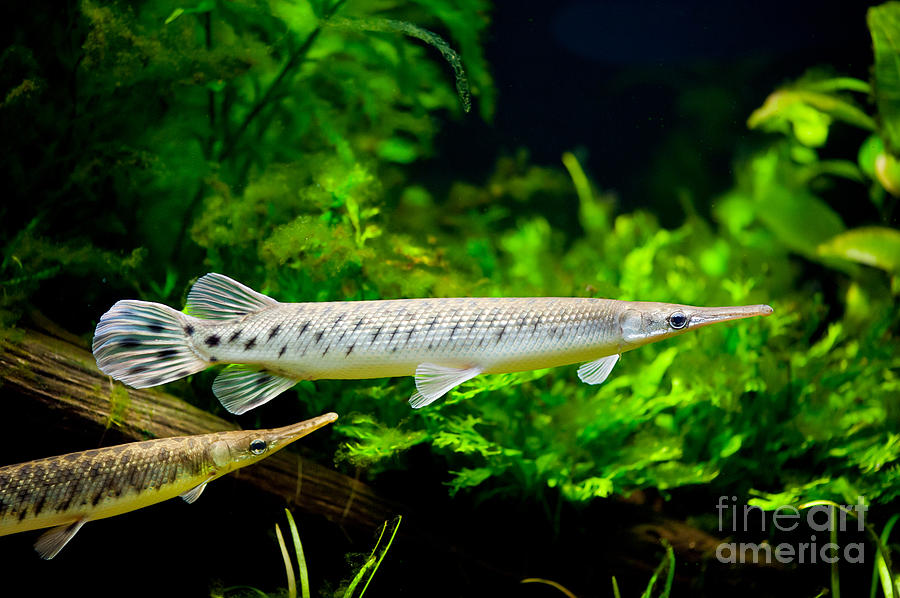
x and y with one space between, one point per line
818 518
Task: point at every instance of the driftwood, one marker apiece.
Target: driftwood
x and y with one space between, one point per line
62 378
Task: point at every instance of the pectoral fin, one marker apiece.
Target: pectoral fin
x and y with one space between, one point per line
240 388
434 381
595 372
194 493
53 540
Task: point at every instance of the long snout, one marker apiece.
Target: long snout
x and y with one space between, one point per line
293 432
710 315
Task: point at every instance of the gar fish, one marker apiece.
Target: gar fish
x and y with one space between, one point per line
270 346
67 491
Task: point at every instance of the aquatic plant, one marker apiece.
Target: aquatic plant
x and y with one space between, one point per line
360 580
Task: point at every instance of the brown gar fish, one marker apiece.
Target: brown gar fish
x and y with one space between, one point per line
67 491
442 342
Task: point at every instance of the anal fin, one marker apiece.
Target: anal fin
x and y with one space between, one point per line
240 388
434 381
595 372
54 539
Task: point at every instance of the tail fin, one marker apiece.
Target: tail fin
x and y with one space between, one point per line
145 344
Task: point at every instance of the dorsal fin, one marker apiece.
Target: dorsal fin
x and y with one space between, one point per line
217 297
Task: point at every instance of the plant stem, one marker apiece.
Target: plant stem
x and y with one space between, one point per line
294 60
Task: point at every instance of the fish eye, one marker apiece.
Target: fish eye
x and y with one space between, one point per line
258 446
678 320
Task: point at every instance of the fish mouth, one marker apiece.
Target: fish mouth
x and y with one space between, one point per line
704 316
288 434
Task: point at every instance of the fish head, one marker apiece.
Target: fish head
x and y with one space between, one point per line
245 447
645 322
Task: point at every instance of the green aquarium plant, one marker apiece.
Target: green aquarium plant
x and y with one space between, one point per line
355 588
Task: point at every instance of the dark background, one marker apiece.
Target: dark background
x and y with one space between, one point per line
653 97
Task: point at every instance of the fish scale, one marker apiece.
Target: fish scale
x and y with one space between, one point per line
100 480
373 339
269 346
65 491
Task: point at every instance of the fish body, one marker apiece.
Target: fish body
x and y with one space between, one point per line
442 342
66 491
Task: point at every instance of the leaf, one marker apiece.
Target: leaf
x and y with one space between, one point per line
798 218
808 112
868 153
201 7
887 171
872 245
884 25
397 149
468 477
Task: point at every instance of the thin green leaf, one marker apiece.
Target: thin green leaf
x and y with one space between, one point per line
289 569
884 25
873 245
301 558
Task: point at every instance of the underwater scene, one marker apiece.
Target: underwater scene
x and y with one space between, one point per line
457 297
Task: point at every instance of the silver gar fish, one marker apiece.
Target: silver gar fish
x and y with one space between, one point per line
67 491
442 342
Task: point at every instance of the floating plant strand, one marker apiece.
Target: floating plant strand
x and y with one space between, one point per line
432 39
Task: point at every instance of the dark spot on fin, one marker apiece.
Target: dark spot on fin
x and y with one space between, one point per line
234 335
189 330
155 328
350 349
274 331
282 350
305 326
166 353
139 369
319 335
250 344
130 343
212 340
